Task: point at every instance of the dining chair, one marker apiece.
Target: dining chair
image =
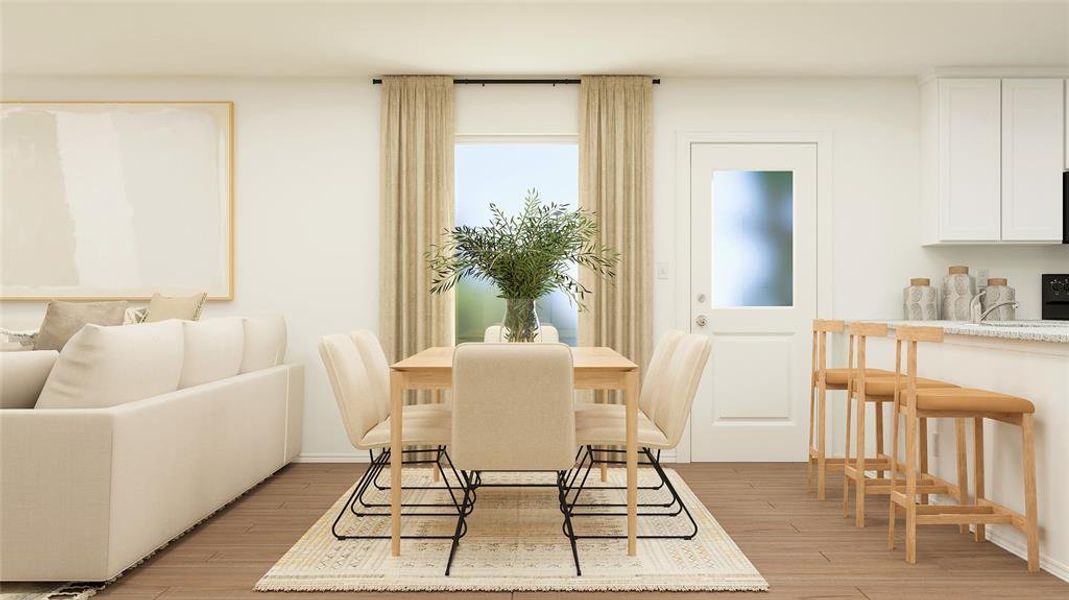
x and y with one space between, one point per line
652 387
532 430
354 363
675 371
547 334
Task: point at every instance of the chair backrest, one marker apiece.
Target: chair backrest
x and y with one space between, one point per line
547 334
655 377
378 369
860 331
512 407
911 335
354 389
684 372
821 329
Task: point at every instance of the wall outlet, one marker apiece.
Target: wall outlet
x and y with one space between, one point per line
664 270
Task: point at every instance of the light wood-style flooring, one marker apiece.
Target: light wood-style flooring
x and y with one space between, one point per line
803 547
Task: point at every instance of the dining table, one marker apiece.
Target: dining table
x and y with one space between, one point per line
595 368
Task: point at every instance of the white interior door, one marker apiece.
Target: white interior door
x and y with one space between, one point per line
754 292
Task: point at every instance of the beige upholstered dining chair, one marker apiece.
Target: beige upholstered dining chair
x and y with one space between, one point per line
359 377
533 430
547 334
665 401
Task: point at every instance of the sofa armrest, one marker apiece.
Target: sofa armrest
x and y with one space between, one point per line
55 487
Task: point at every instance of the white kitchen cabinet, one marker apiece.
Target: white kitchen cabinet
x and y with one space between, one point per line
969 167
1033 156
993 150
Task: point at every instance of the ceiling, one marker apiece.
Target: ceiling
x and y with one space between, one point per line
671 39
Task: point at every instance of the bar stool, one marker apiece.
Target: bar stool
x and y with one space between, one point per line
916 403
877 390
822 380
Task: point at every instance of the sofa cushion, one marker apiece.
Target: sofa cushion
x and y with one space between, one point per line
23 375
105 366
265 342
213 350
64 319
161 308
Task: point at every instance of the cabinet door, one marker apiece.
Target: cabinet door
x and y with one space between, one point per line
1033 148
970 128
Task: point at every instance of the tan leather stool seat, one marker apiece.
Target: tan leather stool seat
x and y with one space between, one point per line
883 386
968 399
839 377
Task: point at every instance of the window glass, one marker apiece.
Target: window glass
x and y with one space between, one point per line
502 173
753 238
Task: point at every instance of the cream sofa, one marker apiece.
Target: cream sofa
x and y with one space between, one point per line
133 434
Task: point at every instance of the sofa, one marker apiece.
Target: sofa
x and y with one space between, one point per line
133 434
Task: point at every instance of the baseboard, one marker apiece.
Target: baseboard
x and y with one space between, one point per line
1016 547
327 457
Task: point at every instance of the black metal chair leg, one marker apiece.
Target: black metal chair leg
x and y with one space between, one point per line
460 524
569 531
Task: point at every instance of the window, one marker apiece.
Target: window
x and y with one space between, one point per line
753 238
501 172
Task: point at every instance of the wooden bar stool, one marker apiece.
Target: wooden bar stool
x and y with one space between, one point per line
917 403
878 390
824 379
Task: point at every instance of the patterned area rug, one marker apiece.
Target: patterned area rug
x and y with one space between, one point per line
514 543
47 591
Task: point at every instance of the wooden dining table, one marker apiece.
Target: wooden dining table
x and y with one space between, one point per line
596 368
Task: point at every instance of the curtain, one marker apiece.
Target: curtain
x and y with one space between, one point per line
615 183
416 194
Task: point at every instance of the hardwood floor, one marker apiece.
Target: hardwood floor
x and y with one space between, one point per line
803 547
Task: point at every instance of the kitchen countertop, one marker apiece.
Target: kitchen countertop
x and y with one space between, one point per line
1033 331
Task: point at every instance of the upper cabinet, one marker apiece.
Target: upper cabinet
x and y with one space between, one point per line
1033 149
993 155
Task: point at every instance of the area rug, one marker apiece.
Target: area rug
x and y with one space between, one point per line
47 591
514 543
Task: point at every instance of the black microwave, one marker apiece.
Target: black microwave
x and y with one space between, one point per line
1065 207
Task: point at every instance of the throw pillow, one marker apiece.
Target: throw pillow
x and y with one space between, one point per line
64 319
265 342
23 375
186 308
106 366
213 350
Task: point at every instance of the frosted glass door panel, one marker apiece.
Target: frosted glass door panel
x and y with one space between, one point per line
752 238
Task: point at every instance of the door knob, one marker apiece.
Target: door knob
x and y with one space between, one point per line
701 320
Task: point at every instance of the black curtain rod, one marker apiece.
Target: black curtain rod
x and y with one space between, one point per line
513 81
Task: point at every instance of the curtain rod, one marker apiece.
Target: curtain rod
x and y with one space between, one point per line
656 81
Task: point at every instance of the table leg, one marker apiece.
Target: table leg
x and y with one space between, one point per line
631 399
438 400
397 381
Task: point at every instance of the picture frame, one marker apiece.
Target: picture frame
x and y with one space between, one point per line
116 199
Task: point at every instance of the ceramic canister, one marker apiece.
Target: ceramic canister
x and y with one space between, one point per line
997 292
920 301
958 290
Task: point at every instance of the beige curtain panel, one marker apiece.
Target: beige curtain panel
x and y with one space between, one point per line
615 177
416 189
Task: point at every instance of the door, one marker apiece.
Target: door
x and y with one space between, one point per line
970 147
754 292
1033 123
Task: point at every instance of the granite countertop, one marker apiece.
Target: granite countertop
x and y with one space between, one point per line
1032 331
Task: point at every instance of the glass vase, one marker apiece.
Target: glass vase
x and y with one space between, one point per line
521 320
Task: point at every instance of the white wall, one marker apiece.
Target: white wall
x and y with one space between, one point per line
307 204
307 209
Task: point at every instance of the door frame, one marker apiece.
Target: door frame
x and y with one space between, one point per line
825 247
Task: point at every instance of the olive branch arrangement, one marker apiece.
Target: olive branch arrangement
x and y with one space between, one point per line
526 255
